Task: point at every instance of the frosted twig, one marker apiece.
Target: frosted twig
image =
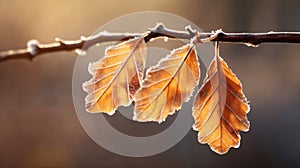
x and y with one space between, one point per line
34 48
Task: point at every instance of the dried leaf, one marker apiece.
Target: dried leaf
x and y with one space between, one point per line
220 108
167 85
116 76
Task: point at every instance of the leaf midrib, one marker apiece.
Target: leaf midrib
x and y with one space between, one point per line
121 67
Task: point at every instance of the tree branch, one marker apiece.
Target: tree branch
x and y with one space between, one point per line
34 48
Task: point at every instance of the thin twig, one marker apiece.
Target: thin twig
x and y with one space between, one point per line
34 48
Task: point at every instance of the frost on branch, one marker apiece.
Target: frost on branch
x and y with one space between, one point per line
35 49
32 46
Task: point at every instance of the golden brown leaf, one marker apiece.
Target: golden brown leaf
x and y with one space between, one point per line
167 85
220 108
116 76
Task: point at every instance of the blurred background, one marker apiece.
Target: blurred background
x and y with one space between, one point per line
38 123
